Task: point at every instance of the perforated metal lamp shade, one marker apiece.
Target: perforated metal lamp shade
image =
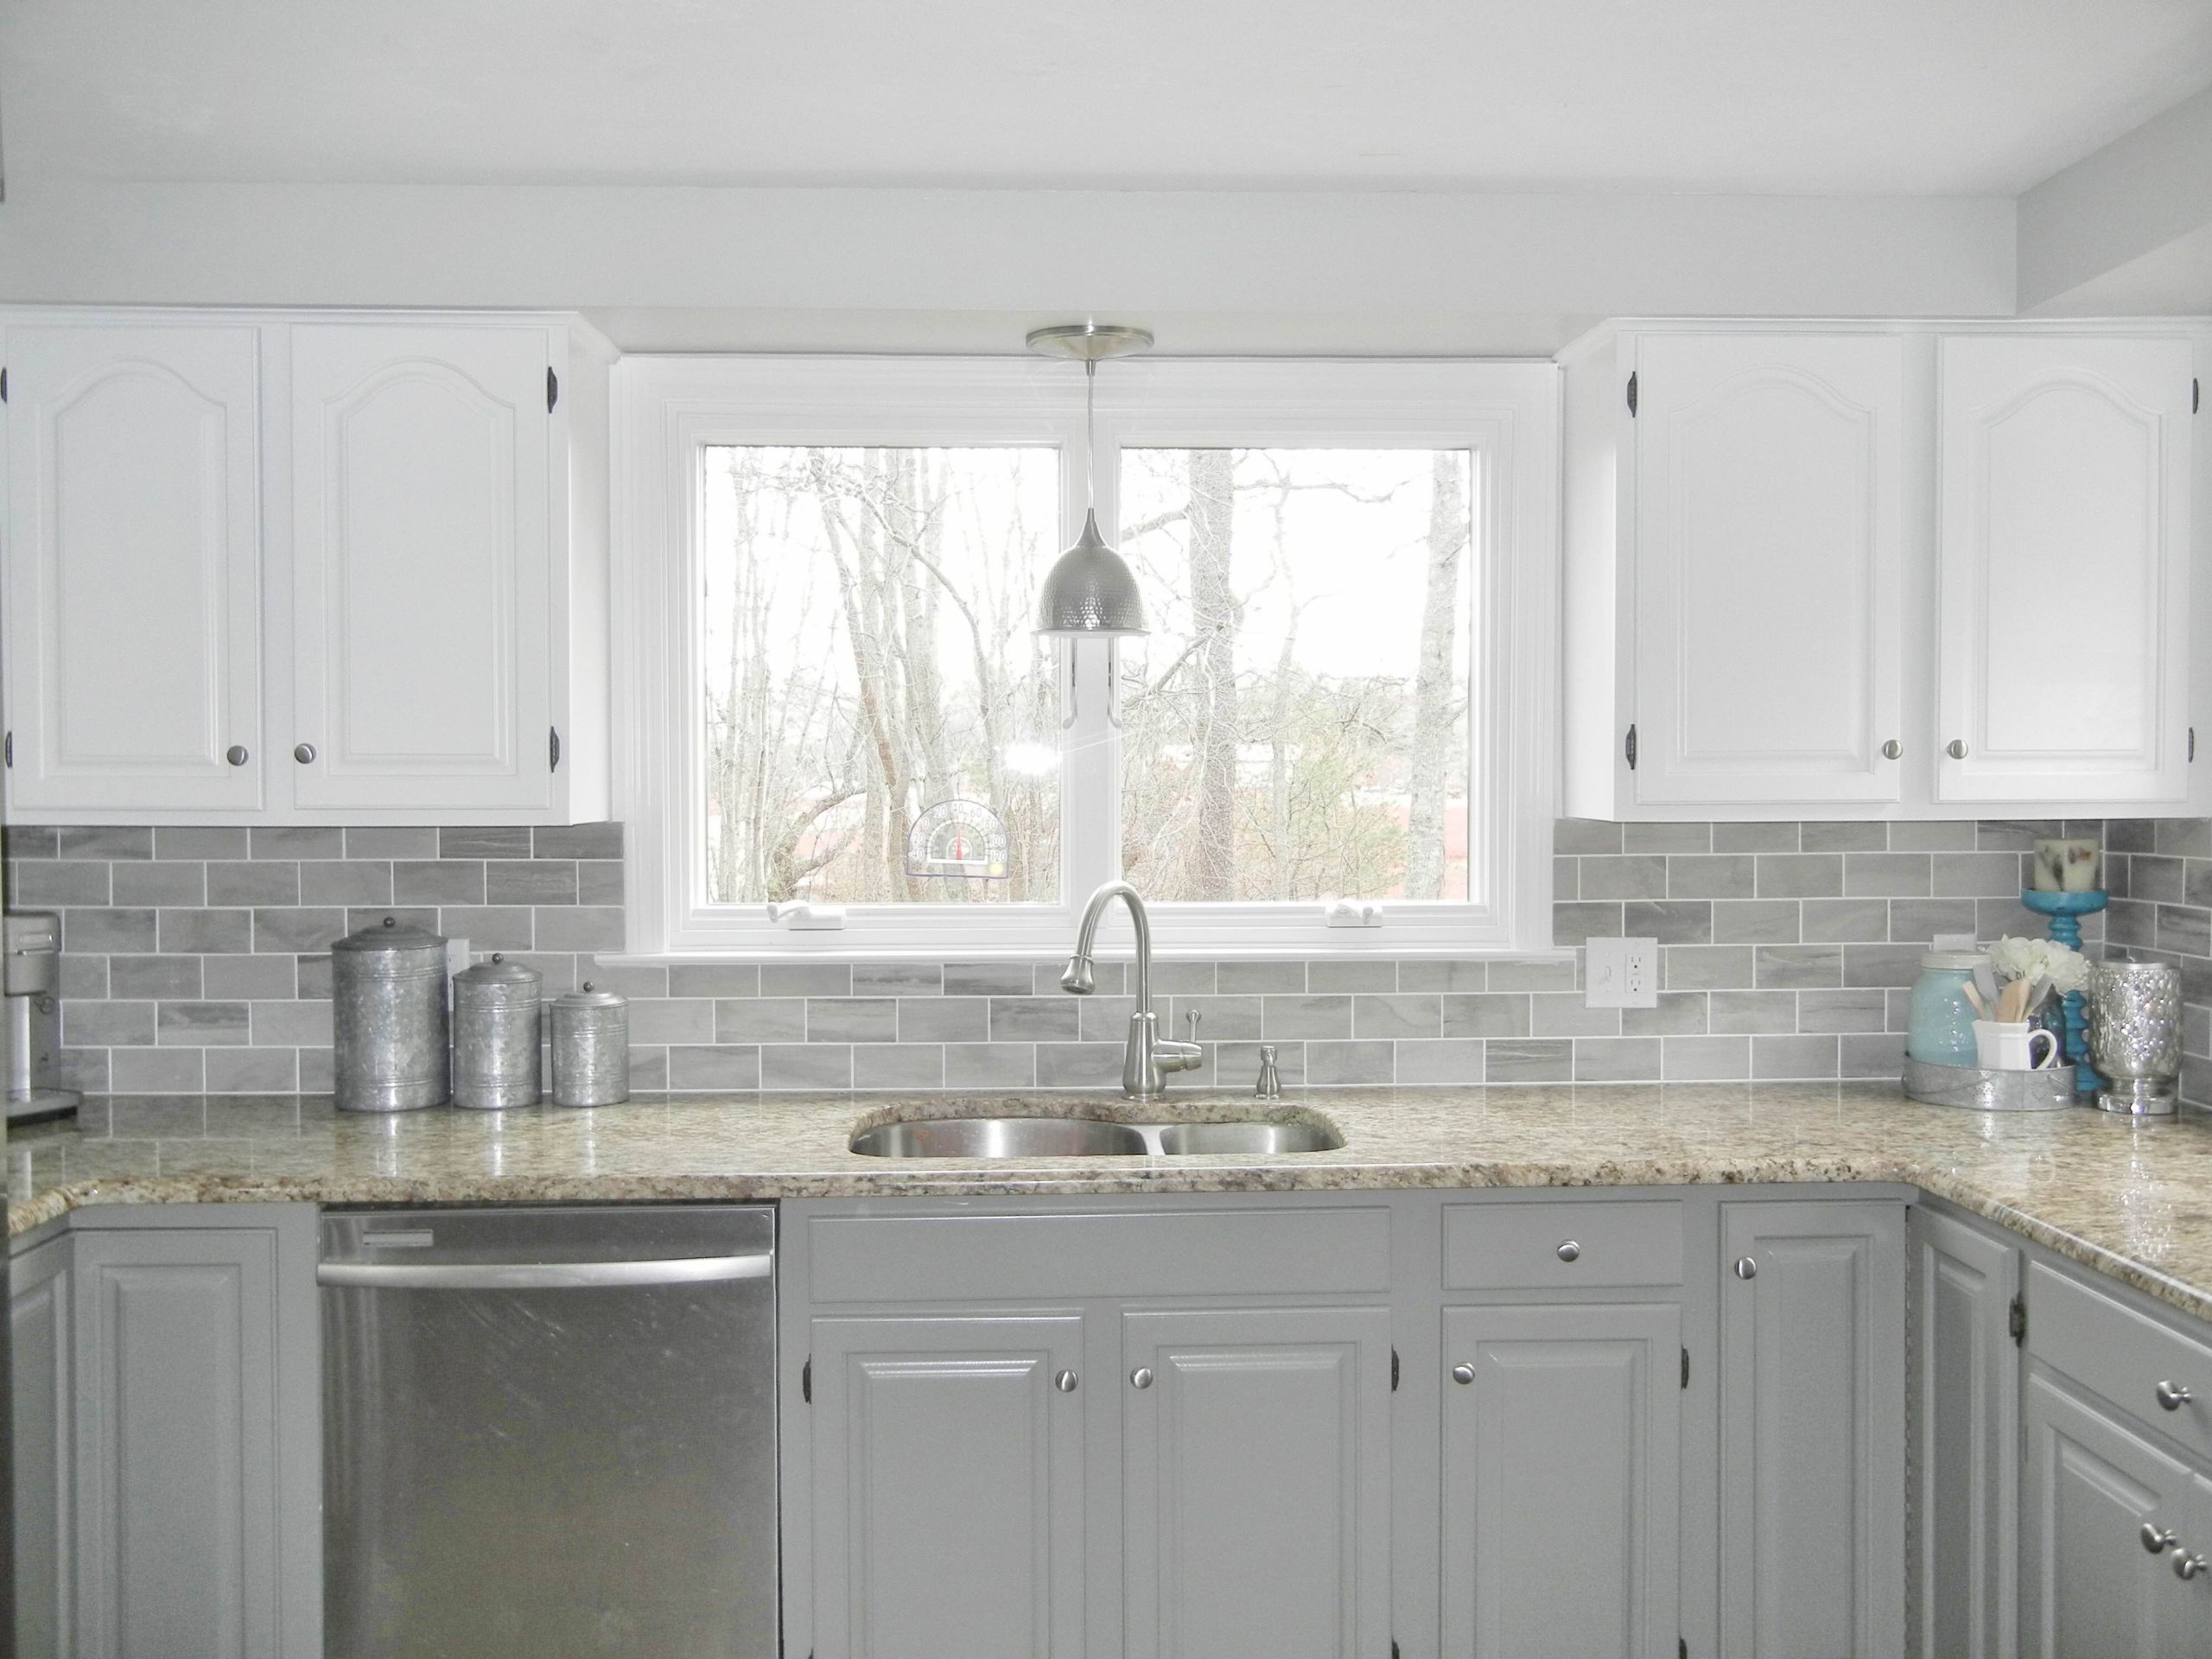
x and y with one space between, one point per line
1090 590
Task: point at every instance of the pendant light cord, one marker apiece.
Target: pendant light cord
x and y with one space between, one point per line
1089 435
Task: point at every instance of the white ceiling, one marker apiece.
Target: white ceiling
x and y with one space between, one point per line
1906 97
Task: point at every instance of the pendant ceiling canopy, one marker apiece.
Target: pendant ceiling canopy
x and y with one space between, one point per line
1090 590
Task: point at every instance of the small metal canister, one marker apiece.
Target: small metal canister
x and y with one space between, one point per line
591 1048
388 991
495 1034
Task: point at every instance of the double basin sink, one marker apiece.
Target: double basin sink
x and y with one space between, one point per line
1084 1137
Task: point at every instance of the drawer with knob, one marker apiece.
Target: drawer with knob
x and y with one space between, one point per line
1600 1244
2152 1372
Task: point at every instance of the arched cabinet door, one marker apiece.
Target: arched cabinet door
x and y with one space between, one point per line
133 568
2062 671
1768 569
423 563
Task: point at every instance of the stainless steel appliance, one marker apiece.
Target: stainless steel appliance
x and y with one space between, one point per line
550 1432
31 974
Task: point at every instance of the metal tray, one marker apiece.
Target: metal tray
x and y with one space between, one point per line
1980 1089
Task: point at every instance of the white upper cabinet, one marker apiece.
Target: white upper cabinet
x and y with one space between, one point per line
1767 568
422 563
345 568
134 566
2064 637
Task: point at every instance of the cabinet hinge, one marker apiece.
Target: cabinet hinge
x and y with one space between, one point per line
2192 743
806 1380
552 389
1394 1648
1393 1370
1682 1648
1628 748
2195 395
1631 394
8 749
553 748
2016 1320
1685 1368
3 384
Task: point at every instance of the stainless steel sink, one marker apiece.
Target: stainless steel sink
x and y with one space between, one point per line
1081 1137
1000 1137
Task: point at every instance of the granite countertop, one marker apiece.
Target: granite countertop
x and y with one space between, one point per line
2134 1201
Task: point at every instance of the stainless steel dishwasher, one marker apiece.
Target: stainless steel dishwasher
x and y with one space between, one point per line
550 1432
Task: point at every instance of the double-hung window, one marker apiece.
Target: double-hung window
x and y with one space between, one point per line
843 736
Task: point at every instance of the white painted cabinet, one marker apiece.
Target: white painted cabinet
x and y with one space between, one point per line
1561 1471
1768 567
344 569
2064 637
1255 1484
1812 1431
423 559
134 566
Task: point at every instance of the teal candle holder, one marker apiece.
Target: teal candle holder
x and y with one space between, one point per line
2065 911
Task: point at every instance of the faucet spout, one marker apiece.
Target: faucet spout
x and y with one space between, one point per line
1146 1058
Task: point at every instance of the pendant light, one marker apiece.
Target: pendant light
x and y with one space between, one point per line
1089 590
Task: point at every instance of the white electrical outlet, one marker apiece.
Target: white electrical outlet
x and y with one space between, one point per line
1621 974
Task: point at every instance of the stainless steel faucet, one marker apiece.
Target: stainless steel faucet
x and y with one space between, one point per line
1146 1058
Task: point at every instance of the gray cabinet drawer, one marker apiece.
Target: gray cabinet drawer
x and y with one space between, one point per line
1136 1253
1562 1245
2121 1353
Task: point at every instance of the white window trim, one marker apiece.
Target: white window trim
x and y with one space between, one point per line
668 408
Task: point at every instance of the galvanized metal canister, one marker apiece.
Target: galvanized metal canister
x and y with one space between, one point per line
591 1048
495 1021
388 988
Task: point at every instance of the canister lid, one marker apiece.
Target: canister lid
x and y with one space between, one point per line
391 934
587 998
1963 961
499 972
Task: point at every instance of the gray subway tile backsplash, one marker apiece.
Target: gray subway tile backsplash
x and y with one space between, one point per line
196 958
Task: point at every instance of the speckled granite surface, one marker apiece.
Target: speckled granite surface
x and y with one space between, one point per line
2134 1202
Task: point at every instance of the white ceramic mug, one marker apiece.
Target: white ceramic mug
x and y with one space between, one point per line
2010 1045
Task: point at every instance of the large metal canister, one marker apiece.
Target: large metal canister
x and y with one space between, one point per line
388 991
495 1034
591 1048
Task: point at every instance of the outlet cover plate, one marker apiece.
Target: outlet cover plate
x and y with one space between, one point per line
1621 974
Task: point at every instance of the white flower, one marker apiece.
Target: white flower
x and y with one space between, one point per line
2016 958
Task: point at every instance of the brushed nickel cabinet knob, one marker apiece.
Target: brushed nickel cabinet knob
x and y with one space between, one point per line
304 753
236 754
1956 749
1892 749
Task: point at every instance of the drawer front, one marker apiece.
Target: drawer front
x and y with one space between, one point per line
1562 1245
1066 1257
2123 1354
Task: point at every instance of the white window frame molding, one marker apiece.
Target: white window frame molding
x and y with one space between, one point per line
667 408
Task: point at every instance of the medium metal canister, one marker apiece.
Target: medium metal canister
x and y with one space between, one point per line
388 992
495 1019
591 1048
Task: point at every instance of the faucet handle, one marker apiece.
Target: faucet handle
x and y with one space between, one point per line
1191 1015
1270 1086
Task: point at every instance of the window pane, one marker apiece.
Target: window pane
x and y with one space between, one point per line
879 719
1296 726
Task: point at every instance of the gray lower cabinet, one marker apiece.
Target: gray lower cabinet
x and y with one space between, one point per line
1562 1446
44 1400
1965 1420
1812 1430
949 1488
2090 1583
1255 1482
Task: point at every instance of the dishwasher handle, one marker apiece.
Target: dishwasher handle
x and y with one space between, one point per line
541 1276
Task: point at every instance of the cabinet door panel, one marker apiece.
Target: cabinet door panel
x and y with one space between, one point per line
1561 1481
1812 1431
2087 1584
948 1488
134 569
422 592
1966 1424
1255 1484
177 1467
44 1409
2065 548
1769 543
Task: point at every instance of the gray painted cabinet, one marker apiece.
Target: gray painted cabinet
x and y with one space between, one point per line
1812 1431
948 1487
1255 1482
1965 1422
44 1400
1561 1481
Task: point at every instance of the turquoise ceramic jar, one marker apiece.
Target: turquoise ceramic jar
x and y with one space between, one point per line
1942 1031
